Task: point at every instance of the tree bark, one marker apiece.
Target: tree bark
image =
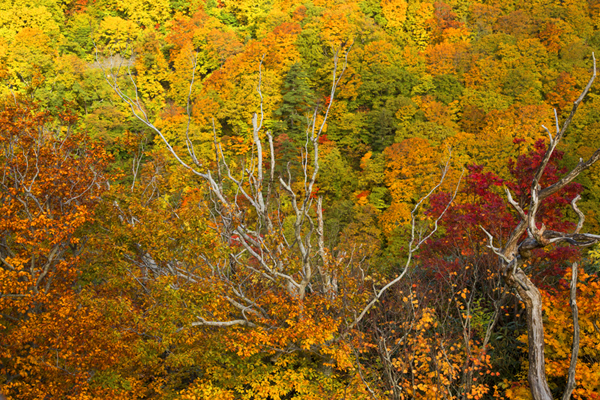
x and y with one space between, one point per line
531 297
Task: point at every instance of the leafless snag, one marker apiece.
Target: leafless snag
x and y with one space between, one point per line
295 263
260 237
515 251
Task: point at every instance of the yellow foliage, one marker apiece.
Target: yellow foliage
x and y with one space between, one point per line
394 12
418 16
32 62
15 16
595 253
411 170
145 13
205 391
339 25
248 12
520 392
495 140
117 35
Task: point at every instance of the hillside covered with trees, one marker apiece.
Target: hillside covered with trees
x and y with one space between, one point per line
276 200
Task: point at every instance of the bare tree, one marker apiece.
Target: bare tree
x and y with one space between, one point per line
247 212
518 249
246 209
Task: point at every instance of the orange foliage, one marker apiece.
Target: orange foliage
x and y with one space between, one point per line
445 58
340 25
550 37
492 141
52 180
564 93
411 170
438 112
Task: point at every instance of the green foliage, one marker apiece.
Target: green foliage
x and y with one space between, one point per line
298 102
447 88
372 8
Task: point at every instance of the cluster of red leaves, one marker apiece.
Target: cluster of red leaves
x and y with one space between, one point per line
482 203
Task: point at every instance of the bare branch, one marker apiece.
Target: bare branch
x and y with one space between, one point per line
579 213
424 198
575 346
10 267
336 80
138 112
565 126
412 248
513 251
496 250
549 134
515 205
565 180
188 142
560 184
223 324
360 374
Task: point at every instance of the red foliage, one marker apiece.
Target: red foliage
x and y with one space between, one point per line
482 203
323 139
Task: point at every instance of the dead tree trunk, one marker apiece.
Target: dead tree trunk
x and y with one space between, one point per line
531 297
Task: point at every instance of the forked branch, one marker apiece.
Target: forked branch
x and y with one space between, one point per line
539 194
415 242
243 213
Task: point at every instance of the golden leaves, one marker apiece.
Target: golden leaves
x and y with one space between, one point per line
394 12
117 35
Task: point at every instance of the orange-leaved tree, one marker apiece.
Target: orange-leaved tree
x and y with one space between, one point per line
51 179
560 336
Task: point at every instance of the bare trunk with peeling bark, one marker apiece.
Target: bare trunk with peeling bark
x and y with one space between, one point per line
532 299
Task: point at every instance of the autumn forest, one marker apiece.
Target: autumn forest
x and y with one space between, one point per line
312 199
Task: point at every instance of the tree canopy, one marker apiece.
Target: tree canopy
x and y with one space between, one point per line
267 199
